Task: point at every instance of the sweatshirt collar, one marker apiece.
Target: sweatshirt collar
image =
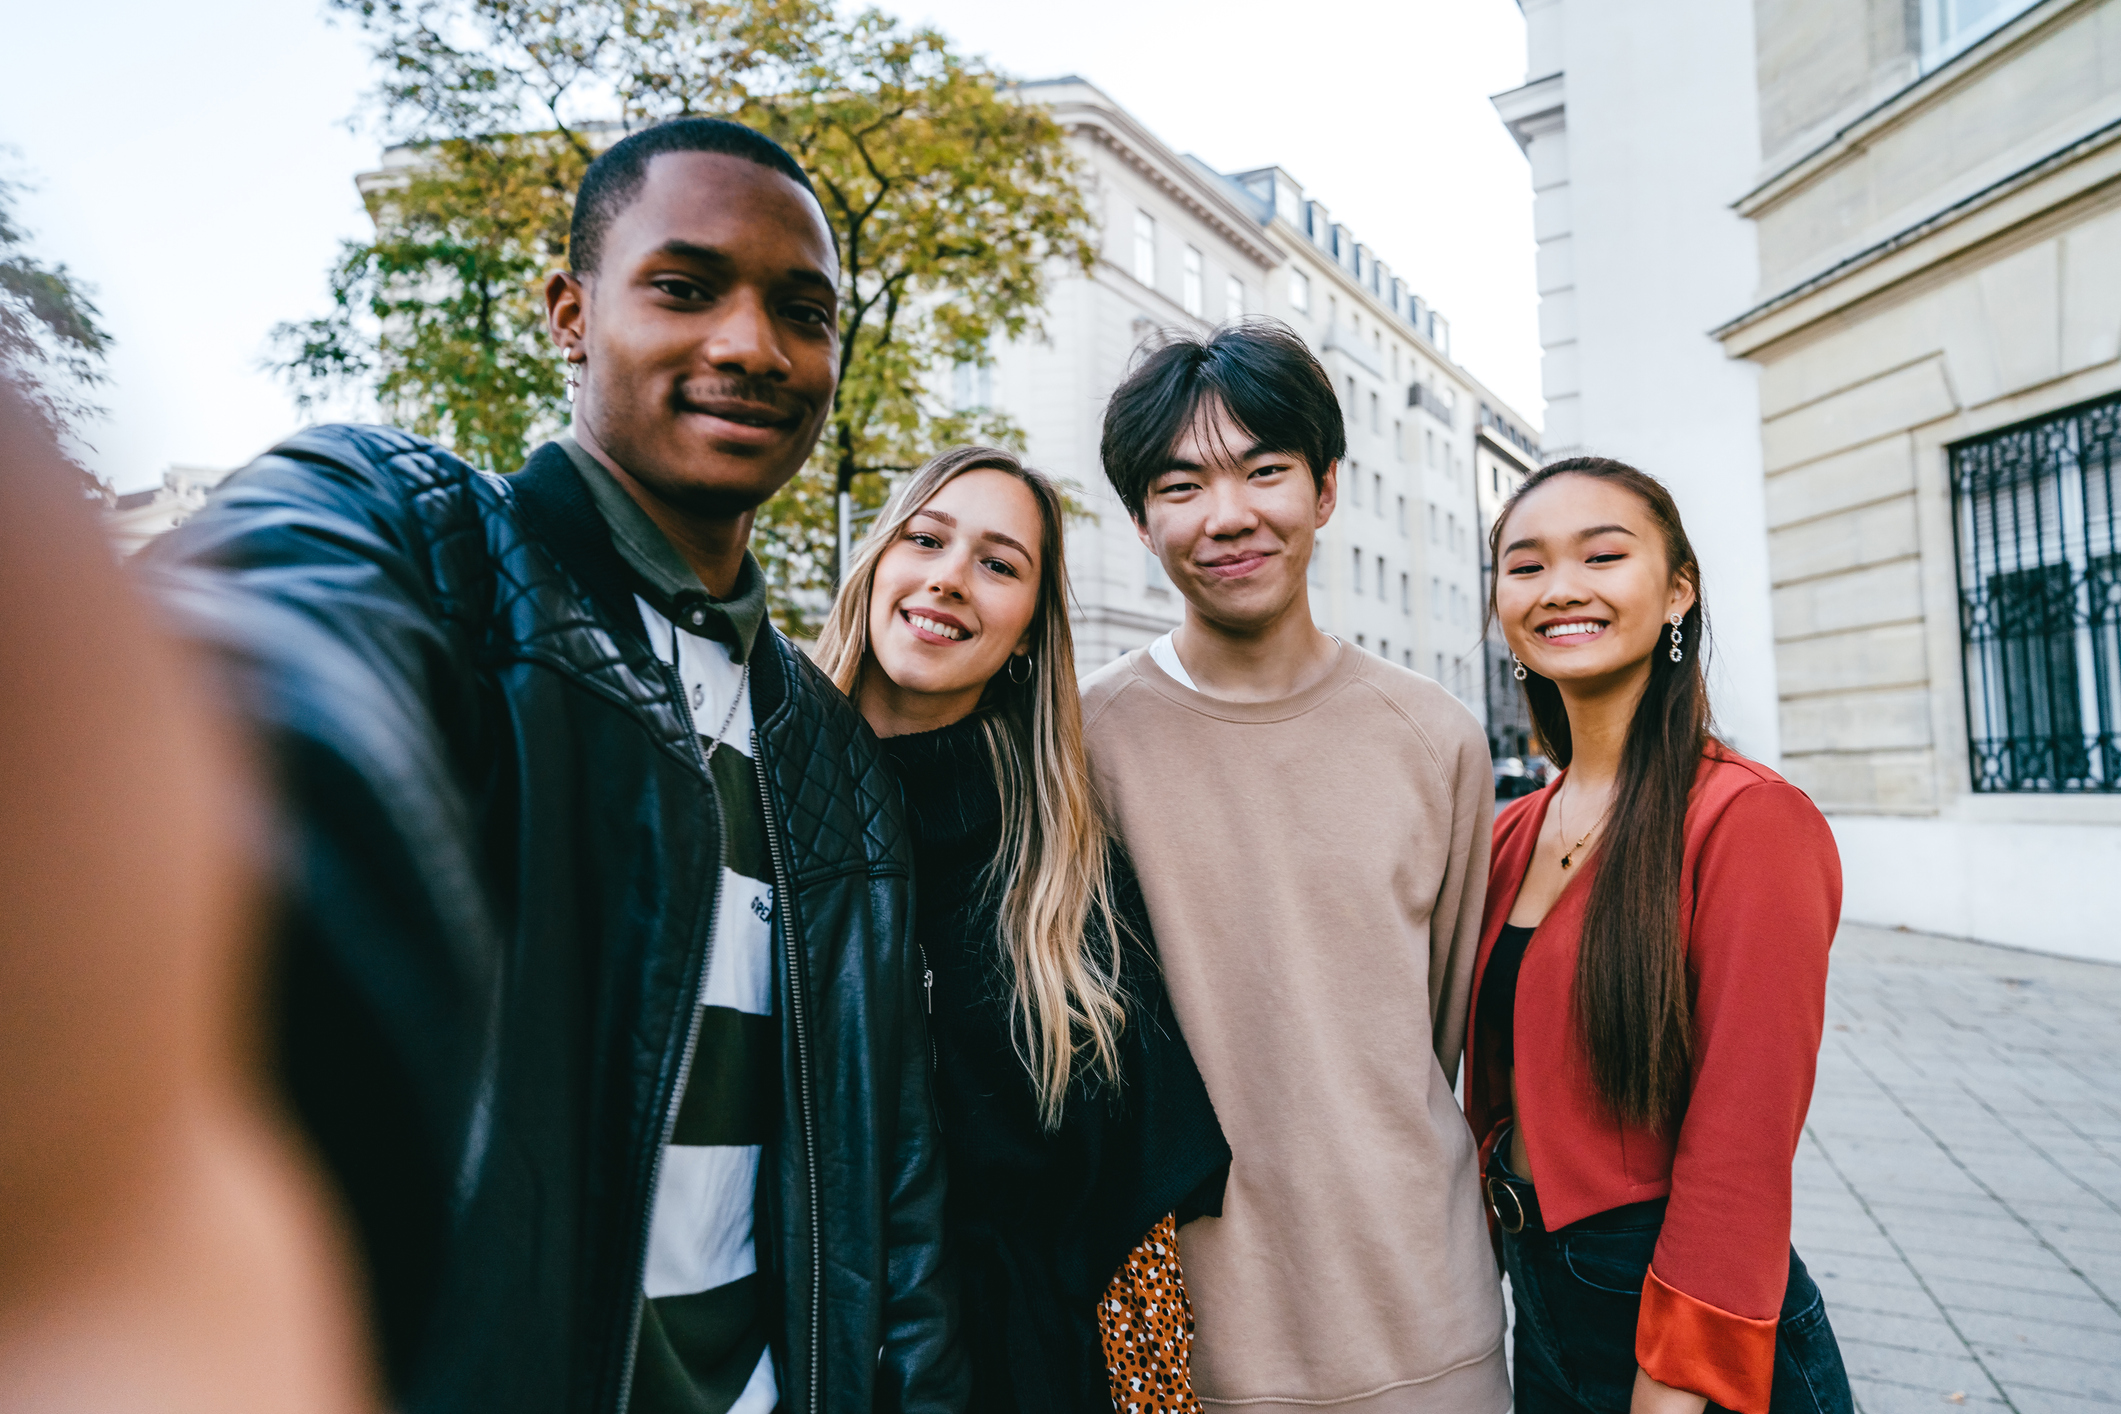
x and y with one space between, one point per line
1346 668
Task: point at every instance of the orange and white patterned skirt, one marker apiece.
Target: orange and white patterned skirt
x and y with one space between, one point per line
1147 1323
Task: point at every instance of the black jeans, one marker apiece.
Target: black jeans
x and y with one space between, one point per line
1577 1293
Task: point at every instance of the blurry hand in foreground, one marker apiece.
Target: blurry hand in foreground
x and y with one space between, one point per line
163 1246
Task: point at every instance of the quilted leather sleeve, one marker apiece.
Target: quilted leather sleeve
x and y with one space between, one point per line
839 830
339 582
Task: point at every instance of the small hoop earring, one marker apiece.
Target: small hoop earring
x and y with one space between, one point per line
1518 671
1676 640
1014 659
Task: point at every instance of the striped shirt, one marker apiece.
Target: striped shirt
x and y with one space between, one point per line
703 1341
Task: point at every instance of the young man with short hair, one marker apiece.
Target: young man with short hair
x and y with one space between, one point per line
1310 824
600 1001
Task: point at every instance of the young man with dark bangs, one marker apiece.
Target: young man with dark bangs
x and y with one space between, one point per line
1310 823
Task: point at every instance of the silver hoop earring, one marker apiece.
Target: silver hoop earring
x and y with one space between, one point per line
1676 654
1518 671
1014 659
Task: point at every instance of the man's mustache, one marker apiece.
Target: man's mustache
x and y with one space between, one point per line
749 400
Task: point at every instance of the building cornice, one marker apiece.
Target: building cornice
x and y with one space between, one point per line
1484 434
1535 109
1909 103
2062 176
1115 616
1111 127
1354 352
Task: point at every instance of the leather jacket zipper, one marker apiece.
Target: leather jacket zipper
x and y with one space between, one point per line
692 1037
806 1099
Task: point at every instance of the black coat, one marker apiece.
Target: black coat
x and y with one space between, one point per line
500 854
1038 1222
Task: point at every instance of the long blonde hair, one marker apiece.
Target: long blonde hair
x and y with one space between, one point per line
1052 867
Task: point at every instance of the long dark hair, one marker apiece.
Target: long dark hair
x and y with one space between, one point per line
1631 991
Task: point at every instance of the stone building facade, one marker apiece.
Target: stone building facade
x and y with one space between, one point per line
1938 330
1922 369
1639 126
1188 248
1504 453
136 517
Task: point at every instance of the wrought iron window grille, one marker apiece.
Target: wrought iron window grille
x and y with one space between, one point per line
2038 543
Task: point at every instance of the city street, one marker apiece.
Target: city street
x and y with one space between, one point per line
1958 1190
1959 1187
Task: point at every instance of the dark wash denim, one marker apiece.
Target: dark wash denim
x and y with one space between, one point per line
1577 1293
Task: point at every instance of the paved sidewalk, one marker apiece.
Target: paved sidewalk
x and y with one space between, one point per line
1958 1191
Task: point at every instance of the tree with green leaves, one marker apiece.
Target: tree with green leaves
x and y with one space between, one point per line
51 347
952 201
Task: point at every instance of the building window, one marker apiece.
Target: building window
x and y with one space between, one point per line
1380 579
1145 248
1406 601
1377 494
1233 299
1299 291
1154 579
1384 647
1402 515
1351 395
1399 443
1358 569
1436 599
1192 293
1431 439
2039 540
1376 414
1353 481
971 386
1952 26
1435 533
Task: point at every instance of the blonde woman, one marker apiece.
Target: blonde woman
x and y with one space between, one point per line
1076 1129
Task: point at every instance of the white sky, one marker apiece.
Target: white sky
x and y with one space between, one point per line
196 165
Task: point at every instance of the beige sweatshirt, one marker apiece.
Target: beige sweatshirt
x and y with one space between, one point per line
1314 869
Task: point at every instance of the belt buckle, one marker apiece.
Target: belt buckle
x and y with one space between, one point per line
1497 1191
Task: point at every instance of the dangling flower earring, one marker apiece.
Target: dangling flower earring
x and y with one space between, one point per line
1676 654
572 370
1518 671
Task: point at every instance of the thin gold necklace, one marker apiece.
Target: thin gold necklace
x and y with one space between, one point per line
1561 820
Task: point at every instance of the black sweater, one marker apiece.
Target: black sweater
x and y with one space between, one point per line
1037 1222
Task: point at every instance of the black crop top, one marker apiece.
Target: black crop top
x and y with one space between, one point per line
1498 989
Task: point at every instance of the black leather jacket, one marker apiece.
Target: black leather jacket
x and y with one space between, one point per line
500 849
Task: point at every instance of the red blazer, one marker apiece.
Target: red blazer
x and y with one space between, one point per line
1759 898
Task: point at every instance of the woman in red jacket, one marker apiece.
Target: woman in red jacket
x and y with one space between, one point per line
1650 988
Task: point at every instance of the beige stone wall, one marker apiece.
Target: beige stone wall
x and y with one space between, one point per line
1822 61
2048 77
1952 268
